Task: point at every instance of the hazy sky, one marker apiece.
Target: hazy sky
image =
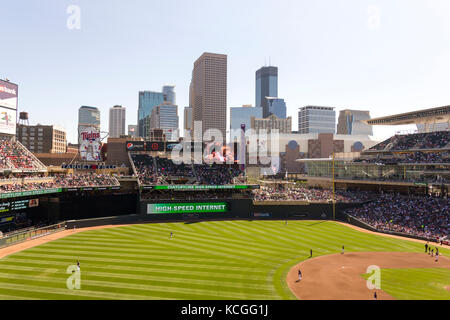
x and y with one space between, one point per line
383 56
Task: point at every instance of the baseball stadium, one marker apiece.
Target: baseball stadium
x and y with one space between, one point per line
371 226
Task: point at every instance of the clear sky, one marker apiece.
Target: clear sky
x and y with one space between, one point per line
384 56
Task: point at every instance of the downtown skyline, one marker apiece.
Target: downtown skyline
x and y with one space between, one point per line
351 62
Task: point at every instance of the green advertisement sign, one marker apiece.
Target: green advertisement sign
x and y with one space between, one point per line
29 193
164 208
200 187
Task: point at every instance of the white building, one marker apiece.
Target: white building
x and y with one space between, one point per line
117 120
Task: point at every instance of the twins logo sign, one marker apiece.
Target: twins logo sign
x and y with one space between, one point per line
90 144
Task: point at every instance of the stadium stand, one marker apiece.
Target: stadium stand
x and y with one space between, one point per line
417 215
310 194
158 170
14 156
417 141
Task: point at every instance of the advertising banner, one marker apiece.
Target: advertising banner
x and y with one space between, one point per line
194 187
8 107
135 146
165 208
90 143
29 193
154 146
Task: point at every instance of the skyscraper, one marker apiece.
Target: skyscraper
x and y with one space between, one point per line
316 119
165 117
117 116
89 116
276 106
147 101
266 86
187 120
209 88
351 122
169 94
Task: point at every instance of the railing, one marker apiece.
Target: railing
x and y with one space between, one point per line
23 236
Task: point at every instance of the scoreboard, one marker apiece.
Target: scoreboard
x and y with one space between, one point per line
9 206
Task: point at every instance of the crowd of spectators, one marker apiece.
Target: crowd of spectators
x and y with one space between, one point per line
411 157
145 168
58 181
430 140
216 174
13 156
417 215
84 180
157 170
310 194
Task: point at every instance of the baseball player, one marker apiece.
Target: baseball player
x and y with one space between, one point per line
437 255
426 247
299 275
310 251
78 265
343 249
375 295
171 235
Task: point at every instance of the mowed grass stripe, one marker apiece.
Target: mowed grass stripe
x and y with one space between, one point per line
125 254
179 287
138 278
67 259
247 279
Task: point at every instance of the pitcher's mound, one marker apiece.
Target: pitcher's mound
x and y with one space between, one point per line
338 276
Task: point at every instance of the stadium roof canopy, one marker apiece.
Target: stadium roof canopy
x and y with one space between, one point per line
425 116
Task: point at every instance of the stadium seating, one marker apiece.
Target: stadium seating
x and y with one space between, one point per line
417 141
14 156
416 215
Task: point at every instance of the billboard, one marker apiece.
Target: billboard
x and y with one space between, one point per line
8 107
154 146
135 146
165 208
194 187
90 143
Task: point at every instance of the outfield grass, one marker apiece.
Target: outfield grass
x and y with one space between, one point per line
416 284
207 260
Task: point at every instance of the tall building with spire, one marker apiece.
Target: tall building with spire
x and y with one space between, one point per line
266 86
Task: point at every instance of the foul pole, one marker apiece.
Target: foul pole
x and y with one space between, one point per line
334 197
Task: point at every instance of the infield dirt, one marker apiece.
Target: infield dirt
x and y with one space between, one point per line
339 276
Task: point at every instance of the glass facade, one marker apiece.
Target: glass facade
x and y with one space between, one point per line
266 86
371 171
89 115
147 101
277 107
312 119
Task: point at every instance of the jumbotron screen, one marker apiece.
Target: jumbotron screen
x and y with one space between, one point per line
8 107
